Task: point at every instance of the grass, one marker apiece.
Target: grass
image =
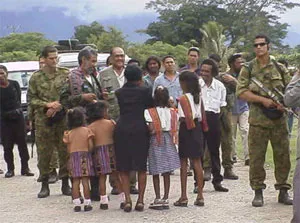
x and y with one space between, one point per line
269 156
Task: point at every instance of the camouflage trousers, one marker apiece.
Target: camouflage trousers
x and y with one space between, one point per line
258 143
226 142
49 140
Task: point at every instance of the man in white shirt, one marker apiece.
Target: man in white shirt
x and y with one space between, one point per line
214 98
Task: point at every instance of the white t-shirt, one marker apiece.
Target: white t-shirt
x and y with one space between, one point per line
196 108
121 77
214 96
164 116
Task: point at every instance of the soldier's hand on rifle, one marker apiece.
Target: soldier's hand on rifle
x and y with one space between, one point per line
268 103
89 97
280 107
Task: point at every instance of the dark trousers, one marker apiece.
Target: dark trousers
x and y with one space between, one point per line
13 132
213 138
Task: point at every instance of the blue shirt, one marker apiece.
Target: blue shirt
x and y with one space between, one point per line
173 86
240 106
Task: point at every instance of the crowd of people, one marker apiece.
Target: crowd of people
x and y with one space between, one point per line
124 122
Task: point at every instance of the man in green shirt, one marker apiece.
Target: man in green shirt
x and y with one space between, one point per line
263 127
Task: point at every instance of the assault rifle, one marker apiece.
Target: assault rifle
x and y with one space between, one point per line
273 96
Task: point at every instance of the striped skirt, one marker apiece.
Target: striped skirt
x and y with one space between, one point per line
104 159
163 157
80 164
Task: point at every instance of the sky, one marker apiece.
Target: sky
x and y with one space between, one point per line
91 10
103 10
85 10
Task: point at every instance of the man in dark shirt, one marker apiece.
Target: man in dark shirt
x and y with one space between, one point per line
12 124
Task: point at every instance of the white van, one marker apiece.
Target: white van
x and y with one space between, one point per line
70 60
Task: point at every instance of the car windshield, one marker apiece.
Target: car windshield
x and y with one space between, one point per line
21 76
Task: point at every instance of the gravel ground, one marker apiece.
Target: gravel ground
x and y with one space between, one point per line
19 202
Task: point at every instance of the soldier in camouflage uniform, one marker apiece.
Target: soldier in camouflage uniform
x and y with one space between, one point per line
81 89
111 79
262 128
43 93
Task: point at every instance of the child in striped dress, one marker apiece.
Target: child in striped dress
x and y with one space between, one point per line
163 157
103 151
79 141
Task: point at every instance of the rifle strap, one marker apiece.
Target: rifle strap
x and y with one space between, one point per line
278 68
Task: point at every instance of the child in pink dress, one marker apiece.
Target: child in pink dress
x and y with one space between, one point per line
79 142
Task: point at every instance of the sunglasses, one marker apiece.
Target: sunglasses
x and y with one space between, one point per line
259 44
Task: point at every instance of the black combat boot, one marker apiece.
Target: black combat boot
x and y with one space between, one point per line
45 192
65 188
52 176
258 200
284 197
229 174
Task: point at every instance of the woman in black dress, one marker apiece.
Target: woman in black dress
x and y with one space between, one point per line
131 134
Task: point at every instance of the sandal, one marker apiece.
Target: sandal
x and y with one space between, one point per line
181 203
139 206
127 206
199 202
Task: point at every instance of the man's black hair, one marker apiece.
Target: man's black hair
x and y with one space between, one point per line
48 49
233 57
195 49
166 57
131 61
215 57
86 52
263 36
155 58
4 68
212 63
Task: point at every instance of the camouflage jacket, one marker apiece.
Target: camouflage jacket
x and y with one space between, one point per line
108 80
230 92
75 86
44 88
270 77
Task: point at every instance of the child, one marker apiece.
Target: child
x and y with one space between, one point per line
163 157
79 142
103 152
191 112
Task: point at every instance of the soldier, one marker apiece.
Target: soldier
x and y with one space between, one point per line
54 159
267 121
81 89
111 79
292 99
44 90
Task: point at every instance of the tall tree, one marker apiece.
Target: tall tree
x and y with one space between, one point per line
241 19
83 32
108 39
22 46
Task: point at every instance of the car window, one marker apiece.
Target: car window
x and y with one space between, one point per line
21 76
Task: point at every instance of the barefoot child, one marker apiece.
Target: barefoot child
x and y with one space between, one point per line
191 113
103 152
163 157
79 141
